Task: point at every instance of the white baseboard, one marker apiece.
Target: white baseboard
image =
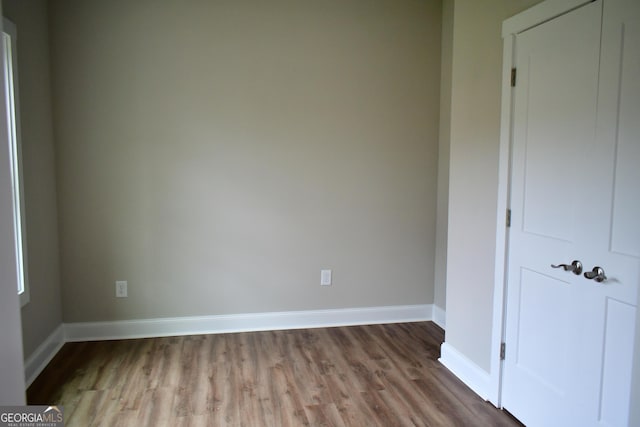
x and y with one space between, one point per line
439 317
42 355
476 378
146 328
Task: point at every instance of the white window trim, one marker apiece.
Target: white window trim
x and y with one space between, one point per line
13 119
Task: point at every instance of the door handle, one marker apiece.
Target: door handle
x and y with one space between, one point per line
575 267
596 274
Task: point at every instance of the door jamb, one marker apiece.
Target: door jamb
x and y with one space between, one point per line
530 18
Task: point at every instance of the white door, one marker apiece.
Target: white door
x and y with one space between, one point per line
575 195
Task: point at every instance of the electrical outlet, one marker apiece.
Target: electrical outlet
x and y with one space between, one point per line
325 277
121 289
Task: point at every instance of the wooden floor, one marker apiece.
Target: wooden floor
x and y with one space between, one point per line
380 375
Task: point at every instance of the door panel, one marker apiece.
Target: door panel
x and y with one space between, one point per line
561 85
534 334
575 195
625 238
617 362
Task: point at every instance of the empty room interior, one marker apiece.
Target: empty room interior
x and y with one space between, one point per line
275 213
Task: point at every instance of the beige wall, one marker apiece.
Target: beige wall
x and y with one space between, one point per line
475 134
440 282
217 155
44 312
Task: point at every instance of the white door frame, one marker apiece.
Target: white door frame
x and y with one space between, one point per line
536 15
12 391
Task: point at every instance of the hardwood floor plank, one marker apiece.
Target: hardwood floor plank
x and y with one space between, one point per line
405 414
401 349
200 384
349 402
232 392
403 390
333 362
253 406
289 406
378 375
385 415
447 403
157 407
324 415
131 373
469 400
83 410
349 350
107 409
365 338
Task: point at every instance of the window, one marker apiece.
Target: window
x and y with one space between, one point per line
9 37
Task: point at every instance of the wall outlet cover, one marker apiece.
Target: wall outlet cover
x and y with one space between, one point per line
121 289
325 277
